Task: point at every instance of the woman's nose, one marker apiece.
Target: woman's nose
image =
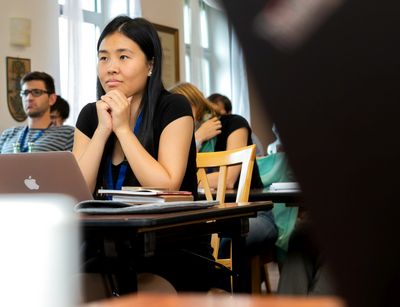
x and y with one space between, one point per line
112 66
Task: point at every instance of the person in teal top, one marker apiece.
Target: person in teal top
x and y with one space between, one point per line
218 132
215 132
303 271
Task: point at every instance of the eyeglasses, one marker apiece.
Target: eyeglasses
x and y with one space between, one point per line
35 92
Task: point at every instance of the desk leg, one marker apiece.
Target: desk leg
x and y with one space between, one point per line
239 263
122 266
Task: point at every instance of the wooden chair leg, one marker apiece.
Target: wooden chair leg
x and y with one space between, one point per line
259 273
255 263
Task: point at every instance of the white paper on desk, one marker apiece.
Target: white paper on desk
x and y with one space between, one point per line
284 187
142 192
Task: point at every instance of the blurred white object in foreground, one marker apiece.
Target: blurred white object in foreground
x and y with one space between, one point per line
39 250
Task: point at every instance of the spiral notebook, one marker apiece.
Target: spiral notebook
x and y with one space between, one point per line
115 207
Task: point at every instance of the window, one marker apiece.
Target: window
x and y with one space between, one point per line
92 22
96 13
215 67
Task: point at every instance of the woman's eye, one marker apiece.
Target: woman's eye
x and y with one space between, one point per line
102 58
124 57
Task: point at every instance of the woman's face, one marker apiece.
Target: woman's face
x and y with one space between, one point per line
221 108
122 65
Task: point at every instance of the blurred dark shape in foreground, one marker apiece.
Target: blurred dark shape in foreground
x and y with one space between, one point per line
333 92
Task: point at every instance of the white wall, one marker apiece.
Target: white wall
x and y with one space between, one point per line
167 13
43 51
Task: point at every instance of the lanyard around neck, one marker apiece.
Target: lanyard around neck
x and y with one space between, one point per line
22 146
124 165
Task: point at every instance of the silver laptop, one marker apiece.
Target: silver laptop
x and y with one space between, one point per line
43 172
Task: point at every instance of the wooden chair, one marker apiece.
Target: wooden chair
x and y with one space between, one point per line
222 160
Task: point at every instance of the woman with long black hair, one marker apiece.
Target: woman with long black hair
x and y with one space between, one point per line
139 134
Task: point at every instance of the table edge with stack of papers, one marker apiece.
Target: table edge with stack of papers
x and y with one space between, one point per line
284 187
145 195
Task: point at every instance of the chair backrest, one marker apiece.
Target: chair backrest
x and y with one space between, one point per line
222 159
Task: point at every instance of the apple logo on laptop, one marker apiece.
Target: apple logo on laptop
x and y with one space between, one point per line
31 183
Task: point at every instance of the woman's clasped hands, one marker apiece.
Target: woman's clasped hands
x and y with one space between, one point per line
114 111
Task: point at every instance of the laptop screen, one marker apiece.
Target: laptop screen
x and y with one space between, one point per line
43 172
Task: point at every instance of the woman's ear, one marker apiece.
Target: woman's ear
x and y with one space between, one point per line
151 64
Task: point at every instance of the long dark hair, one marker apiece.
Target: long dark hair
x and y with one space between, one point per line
143 33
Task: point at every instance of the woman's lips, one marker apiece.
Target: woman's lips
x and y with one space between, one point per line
112 83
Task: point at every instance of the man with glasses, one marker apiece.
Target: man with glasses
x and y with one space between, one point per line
38 95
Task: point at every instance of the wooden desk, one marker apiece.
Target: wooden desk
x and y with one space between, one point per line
146 231
263 195
217 300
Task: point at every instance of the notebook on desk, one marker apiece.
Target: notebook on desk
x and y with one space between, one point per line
43 172
116 207
139 195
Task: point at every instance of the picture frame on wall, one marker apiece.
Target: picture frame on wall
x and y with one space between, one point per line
16 69
169 38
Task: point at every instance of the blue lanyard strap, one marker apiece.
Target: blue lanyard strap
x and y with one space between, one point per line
124 165
138 123
22 146
121 176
